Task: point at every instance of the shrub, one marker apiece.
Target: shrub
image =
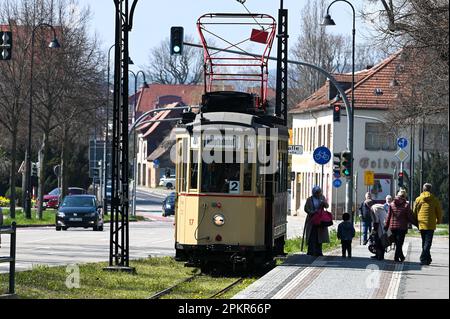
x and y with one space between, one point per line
18 195
4 202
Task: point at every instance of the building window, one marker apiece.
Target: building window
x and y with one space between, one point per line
378 138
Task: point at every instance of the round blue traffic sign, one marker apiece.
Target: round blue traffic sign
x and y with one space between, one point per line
402 142
322 155
337 183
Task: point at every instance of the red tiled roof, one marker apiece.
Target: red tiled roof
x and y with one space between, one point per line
160 116
367 81
188 94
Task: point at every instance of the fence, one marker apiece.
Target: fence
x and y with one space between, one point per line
11 259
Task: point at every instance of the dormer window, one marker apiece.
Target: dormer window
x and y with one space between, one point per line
378 92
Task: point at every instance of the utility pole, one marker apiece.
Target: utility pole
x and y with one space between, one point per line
119 231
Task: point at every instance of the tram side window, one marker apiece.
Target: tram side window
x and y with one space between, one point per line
183 165
221 177
248 173
194 169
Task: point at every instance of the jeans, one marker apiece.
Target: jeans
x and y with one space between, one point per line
366 228
427 240
346 248
399 239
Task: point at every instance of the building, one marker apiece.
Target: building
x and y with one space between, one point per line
375 142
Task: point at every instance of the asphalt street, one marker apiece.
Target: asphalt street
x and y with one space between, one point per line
44 245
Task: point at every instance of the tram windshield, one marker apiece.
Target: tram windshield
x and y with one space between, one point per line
221 177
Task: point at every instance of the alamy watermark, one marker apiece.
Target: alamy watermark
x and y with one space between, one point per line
73 277
230 145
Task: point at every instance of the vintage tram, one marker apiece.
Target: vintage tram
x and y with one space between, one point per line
231 161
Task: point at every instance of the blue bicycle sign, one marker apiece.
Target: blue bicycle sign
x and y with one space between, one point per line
337 183
322 155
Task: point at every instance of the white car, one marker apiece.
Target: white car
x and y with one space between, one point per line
168 182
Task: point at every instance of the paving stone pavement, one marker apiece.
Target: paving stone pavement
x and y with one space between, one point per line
334 277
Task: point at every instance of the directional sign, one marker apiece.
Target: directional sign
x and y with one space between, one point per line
295 149
337 183
322 155
401 155
402 142
5 45
369 178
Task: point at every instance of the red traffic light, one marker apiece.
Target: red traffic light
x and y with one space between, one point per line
400 174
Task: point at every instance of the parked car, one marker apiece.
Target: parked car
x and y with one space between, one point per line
52 198
168 182
79 211
168 205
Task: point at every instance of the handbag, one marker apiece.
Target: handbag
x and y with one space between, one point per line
322 218
387 239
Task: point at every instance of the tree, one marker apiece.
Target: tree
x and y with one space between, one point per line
164 68
330 52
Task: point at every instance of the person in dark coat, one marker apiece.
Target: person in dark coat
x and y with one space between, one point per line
366 216
345 233
315 235
397 220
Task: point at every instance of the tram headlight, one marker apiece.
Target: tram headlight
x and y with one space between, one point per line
219 220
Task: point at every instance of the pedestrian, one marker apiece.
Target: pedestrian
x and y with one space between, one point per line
315 235
345 233
378 220
427 213
388 202
366 216
397 220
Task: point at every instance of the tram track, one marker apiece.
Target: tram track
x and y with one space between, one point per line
217 294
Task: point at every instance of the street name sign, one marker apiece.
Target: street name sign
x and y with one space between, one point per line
295 149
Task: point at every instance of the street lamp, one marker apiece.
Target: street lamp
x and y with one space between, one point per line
328 21
54 44
144 86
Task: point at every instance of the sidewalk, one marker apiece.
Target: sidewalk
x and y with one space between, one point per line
332 277
159 192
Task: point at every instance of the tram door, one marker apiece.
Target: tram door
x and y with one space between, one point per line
270 200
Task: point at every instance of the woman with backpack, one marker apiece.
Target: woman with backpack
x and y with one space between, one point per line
397 220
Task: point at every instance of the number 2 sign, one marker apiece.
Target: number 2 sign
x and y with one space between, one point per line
234 187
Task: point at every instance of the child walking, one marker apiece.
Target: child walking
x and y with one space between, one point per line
345 233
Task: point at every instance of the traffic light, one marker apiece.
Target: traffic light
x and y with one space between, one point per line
336 113
5 45
337 165
400 179
34 169
176 40
346 163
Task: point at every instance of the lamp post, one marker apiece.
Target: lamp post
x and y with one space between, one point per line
328 21
144 86
54 44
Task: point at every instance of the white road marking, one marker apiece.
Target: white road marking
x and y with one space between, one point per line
394 285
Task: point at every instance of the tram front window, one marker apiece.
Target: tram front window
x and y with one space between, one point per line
221 177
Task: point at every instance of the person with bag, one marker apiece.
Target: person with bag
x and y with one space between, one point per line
315 235
427 213
381 239
398 218
345 233
366 216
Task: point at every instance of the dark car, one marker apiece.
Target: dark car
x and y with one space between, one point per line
79 211
52 198
168 205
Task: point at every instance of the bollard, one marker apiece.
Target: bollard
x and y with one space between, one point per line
12 263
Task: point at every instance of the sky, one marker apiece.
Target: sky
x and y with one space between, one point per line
154 18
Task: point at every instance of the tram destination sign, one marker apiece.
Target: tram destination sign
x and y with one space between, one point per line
295 149
226 141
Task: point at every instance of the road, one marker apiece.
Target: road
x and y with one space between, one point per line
44 245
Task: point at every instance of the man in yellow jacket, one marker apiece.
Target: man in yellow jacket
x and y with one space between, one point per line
428 213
